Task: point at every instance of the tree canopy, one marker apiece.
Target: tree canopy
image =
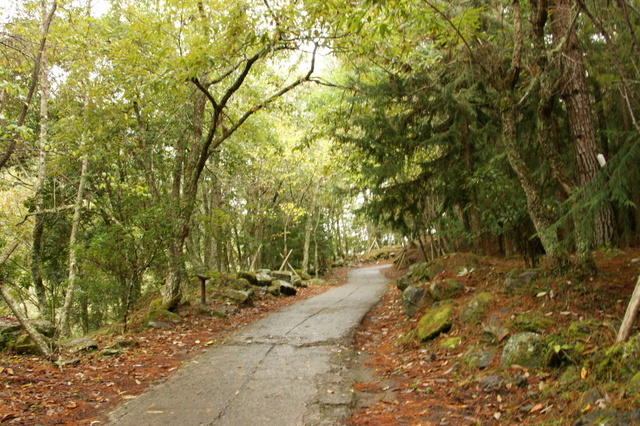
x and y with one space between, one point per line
143 142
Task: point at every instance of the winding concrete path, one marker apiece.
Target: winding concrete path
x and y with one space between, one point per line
286 369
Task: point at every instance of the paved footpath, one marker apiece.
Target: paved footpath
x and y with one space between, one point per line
286 369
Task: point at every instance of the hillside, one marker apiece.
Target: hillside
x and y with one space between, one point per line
457 377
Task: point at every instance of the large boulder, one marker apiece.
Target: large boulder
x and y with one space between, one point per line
446 289
414 299
524 349
434 322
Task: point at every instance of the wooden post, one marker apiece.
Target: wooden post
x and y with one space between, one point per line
203 291
630 315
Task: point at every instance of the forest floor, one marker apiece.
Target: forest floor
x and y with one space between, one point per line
427 384
404 385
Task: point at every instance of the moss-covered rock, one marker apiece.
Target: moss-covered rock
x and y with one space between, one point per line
240 284
517 281
434 322
531 322
620 361
476 308
524 349
478 357
171 305
609 417
239 297
633 387
581 329
446 289
162 315
451 342
24 345
562 351
249 276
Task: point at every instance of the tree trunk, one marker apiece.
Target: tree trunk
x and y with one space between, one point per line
575 92
65 326
38 227
536 210
186 175
37 338
309 229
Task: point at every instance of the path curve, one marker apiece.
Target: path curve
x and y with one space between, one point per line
286 369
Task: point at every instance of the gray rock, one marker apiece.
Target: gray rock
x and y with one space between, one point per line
297 282
160 325
524 349
283 276
403 282
517 282
125 344
449 288
317 281
519 381
494 333
44 327
264 278
286 288
83 344
240 297
480 359
609 418
413 300
491 383
111 352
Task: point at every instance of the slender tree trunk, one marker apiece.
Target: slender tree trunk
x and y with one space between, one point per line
309 229
43 346
65 325
38 227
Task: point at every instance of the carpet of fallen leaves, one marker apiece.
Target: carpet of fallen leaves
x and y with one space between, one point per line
34 391
414 385
426 385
